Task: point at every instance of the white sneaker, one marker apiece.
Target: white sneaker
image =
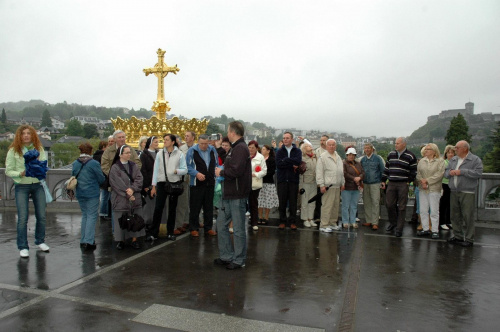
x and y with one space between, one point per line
247 214
255 228
444 227
307 223
325 229
43 247
335 228
24 253
358 220
312 223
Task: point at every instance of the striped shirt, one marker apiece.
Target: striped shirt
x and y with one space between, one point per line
402 168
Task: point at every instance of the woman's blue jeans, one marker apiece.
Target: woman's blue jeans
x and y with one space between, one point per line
90 212
349 206
23 192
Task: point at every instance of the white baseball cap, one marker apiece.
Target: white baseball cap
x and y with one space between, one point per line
351 151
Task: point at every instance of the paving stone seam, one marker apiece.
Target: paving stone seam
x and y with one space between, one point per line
348 311
57 292
51 294
114 266
22 306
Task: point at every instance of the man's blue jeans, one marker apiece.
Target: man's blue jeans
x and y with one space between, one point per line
90 212
104 211
232 209
22 192
349 206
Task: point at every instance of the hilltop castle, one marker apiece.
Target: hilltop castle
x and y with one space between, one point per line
466 112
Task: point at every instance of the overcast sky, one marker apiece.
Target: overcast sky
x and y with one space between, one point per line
361 67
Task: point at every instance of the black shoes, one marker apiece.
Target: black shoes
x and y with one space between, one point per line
135 245
454 240
423 233
228 265
399 234
390 228
120 245
88 246
234 266
171 237
466 244
219 261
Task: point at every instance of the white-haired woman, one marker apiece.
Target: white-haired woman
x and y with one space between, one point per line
430 172
142 145
307 182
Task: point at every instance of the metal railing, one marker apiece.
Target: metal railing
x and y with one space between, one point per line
487 210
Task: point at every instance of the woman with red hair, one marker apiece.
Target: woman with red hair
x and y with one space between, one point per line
27 140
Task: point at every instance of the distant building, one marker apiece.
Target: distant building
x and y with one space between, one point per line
57 123
468 110
70 139
86 119
7 136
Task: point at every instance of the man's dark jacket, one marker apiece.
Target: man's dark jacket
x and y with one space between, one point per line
237 171
286 171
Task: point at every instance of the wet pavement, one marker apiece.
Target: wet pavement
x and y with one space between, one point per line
301 280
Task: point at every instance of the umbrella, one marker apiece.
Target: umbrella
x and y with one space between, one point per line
318 196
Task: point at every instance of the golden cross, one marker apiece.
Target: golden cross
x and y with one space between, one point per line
161 70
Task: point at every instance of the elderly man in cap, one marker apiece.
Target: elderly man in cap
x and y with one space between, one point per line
463 171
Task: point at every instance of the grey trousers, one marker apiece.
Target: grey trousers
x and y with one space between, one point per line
371 201
462 207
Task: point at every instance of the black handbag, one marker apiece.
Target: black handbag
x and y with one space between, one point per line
131 222
172 188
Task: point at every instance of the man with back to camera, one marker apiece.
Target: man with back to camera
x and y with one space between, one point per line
400 170
236 188
464 171
288 159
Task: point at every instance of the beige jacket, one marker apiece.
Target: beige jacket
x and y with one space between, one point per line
310 175
432 171
330 170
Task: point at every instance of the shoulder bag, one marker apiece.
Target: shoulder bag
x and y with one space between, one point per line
71 184
172 188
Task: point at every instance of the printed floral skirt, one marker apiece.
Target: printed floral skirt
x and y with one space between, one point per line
268 196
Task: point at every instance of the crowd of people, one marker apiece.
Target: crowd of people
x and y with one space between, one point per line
225 178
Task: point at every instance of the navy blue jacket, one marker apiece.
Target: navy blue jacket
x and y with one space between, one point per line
286 171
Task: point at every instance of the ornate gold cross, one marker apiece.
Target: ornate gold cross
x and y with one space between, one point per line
160 70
